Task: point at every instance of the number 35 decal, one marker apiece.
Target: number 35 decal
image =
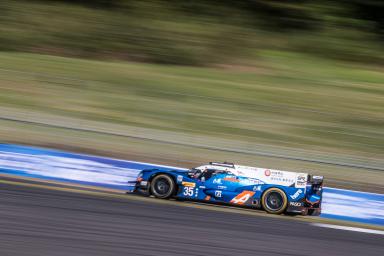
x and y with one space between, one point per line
188 191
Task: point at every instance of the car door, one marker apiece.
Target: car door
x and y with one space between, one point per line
221 185
234 190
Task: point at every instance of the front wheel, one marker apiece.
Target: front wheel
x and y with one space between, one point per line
162 186
274 200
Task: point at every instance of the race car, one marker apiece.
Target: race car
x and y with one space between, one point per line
274 191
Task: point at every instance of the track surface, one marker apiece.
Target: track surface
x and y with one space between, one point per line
36 221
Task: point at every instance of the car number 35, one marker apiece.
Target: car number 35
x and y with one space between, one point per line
189 191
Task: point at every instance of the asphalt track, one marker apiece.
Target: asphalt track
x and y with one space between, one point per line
37 221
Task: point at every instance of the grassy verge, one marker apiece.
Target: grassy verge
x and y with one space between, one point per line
285 99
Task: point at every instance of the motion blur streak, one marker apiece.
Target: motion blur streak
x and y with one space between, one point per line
289 85
353 206
112 173
364 230
37 222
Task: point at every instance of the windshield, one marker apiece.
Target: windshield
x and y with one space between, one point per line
194 173
205 174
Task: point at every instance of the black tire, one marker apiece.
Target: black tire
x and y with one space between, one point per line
162 186
274 201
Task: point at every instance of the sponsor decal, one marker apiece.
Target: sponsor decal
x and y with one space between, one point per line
179 178
296 204
256 188
232 179
277 173
282 179
222 187
278 179
255 181
242 198
267 172
301 180
216 181
218 193
203 187
143 183
188 184
296 195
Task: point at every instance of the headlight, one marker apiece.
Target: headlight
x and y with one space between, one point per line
140 177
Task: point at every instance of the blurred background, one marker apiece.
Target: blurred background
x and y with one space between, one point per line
285 84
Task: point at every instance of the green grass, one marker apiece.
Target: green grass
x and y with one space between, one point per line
286 99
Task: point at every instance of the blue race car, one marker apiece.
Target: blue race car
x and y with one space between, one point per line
274 191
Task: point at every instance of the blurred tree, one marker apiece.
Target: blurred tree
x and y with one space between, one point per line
283 14
192 32
279 14
372 10
91 3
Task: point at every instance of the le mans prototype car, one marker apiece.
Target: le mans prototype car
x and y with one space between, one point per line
274 191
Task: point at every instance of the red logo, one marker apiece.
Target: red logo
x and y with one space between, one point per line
267 172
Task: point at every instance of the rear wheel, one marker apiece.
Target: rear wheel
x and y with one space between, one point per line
162 186
274 201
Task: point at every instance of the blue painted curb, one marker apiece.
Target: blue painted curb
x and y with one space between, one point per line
105 172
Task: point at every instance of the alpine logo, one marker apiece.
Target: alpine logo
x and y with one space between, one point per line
216 181
242 198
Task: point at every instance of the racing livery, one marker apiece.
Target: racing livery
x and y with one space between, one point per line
274 191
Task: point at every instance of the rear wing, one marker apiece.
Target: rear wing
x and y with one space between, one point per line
316 183
315 180
223 164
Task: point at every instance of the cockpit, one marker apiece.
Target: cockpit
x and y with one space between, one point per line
205 174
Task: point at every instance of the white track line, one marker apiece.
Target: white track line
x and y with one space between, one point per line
363 192
364 230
